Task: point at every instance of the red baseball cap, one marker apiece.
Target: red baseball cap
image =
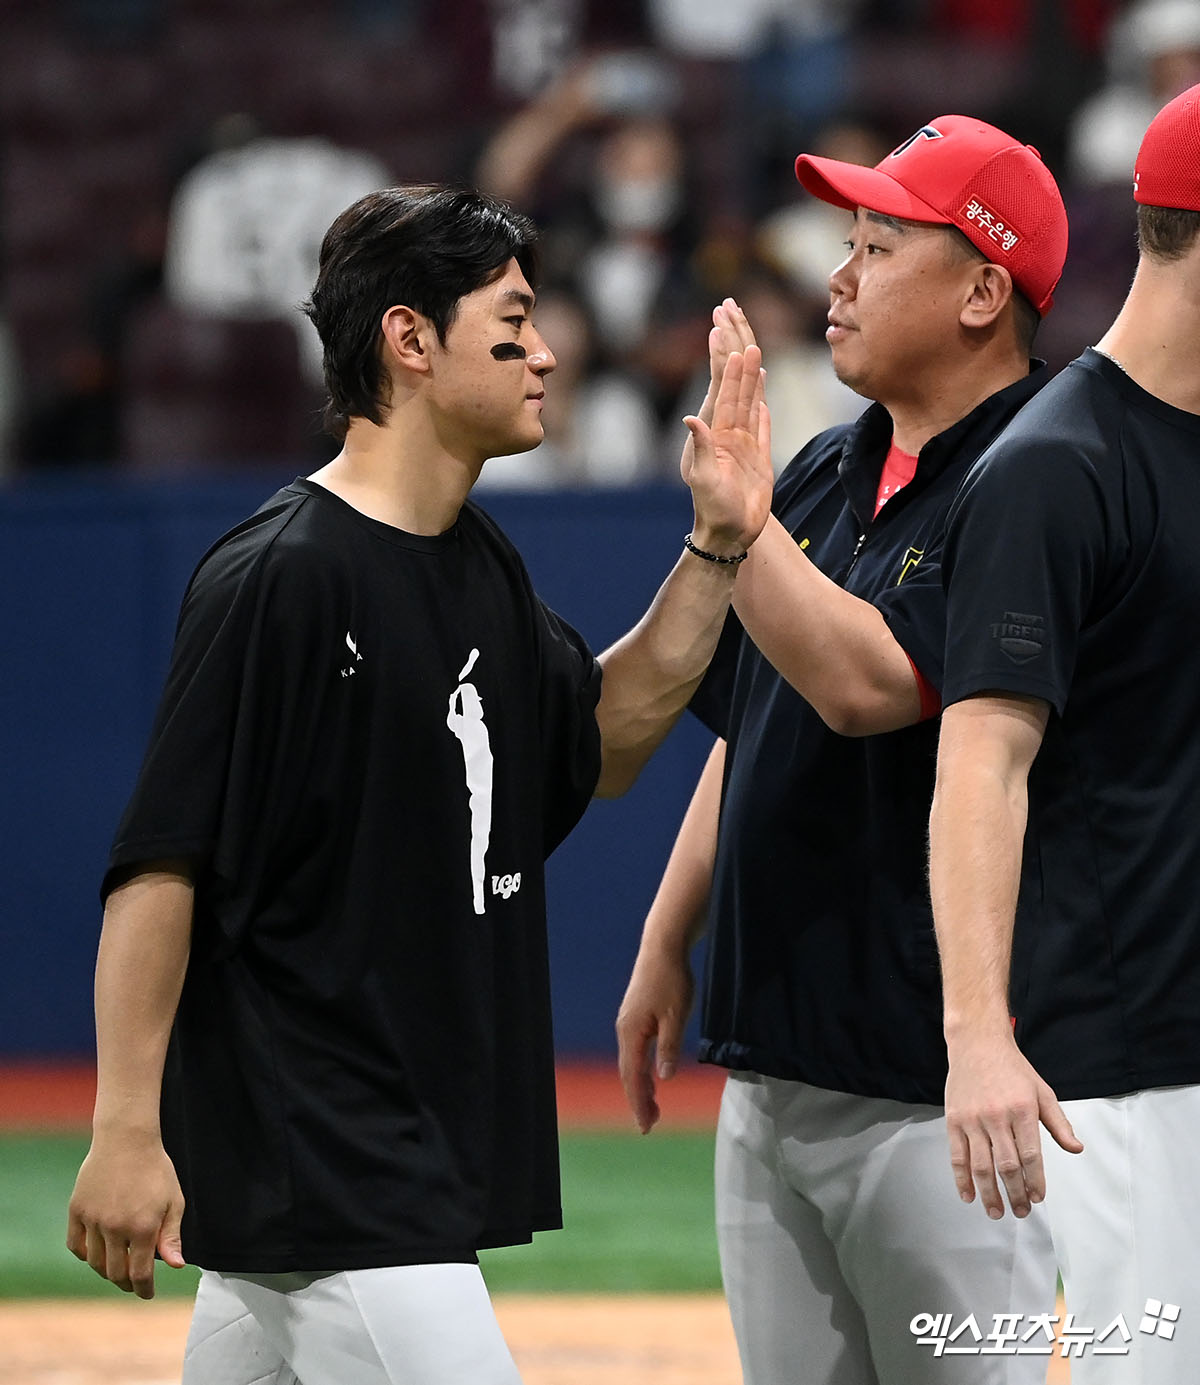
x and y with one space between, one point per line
1167 172
958 171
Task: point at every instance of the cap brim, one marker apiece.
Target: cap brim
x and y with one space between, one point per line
851 185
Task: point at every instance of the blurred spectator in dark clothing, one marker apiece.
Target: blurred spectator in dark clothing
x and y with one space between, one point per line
9 397
114 21
385 21
121 285
75 418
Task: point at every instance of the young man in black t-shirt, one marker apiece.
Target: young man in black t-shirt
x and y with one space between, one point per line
1065 836
803 851
323 1029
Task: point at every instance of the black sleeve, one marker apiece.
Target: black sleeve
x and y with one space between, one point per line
915 612
569 692
235 694
1025 551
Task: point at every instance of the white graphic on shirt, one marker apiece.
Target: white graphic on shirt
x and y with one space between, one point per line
353 648
465 719
506 885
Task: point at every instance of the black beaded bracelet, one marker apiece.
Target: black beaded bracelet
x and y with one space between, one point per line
712 557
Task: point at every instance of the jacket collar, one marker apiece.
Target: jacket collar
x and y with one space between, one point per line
868 441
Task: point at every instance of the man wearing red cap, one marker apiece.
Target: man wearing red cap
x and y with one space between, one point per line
845 1253
1065 849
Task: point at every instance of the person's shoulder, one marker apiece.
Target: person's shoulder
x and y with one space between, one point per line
477 527
276 534
1076 404
1071 424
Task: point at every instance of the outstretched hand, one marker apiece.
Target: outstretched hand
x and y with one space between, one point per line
729 469
995 1105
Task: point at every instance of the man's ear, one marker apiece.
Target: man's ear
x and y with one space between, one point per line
407 336
991 287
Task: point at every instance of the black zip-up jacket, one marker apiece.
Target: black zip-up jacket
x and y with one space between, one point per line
822 962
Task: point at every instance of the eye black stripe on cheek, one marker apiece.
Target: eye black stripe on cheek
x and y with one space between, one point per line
508 351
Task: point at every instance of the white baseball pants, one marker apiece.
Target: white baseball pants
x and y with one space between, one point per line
406 1325
1125 1216
839 1223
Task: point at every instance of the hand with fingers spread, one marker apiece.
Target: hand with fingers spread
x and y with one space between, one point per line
730 471
650 1027
996 1104
126 1205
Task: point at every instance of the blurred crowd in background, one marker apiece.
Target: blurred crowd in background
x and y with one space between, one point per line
167 169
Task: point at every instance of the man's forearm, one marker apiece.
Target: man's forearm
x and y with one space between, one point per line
676 919
971 876
143 956
976 838
834 648
658 999
651 673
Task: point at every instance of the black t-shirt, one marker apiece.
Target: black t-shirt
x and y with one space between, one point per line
1073 575
368 743
822 962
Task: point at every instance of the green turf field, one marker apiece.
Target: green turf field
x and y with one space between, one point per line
638 1218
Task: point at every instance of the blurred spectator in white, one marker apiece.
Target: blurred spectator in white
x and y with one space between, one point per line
246 223
713 28
727 30
600 427
1153 55
533 41
638 193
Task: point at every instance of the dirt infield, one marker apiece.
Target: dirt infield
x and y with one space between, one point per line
658 1340
667 1340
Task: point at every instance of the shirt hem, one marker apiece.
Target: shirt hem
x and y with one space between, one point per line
1122 1084
929 1090
324 1259
982 684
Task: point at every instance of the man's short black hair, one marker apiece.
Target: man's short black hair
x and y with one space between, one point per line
1166 233
425 246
